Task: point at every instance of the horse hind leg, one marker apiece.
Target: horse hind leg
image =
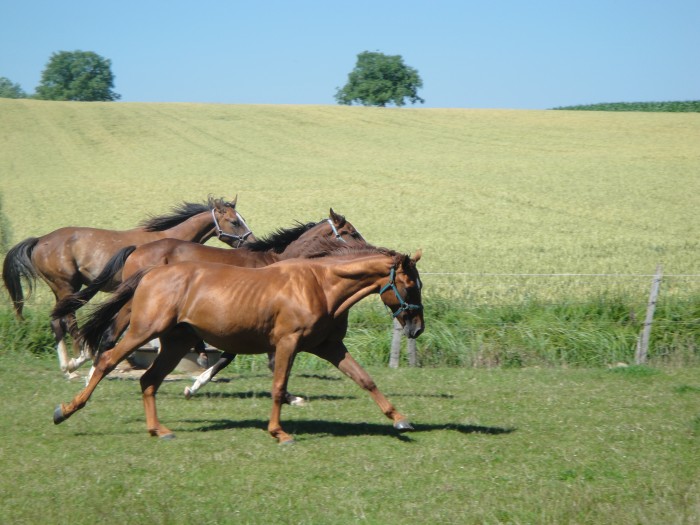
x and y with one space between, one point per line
103 366
209 373
58 327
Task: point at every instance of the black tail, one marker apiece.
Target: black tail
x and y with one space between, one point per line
99 320
18 265
71 303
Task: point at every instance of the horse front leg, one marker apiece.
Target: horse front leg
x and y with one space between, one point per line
286 350
173 348
337 354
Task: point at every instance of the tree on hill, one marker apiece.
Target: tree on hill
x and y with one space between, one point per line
380 79
77 75
9 89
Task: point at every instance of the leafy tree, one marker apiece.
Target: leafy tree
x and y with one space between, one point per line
8 89
380 79
77 75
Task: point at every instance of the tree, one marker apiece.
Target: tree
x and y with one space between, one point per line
9 89
380 79
77 75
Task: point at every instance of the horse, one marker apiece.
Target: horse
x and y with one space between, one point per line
71 257
287 307
303 240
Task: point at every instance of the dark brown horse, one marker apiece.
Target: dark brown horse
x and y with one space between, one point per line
290 306
69 258
304 240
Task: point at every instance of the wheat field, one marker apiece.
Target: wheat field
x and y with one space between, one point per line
479 191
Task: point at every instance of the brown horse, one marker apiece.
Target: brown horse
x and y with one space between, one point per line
290 306
69 258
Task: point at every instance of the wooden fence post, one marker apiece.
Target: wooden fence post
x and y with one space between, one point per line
396 347
643 340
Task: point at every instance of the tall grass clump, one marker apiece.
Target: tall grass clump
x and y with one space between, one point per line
33 335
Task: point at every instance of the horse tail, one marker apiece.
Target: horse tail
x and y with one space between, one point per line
73 302
17 266
100 319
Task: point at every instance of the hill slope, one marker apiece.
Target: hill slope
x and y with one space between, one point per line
479 190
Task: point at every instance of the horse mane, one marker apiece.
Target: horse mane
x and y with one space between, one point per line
280 239
178 214
331 247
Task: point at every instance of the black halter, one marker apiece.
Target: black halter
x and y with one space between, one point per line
403 305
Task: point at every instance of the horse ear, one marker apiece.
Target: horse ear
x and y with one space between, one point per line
337 219
416 257
235 200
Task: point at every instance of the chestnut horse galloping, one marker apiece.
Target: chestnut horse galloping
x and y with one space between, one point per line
288 307
69 258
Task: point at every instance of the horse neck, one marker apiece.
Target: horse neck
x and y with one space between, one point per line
346 284
198 228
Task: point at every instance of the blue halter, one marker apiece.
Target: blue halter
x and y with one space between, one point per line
403 305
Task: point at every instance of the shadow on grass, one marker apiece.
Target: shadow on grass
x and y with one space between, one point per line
338 428
263 394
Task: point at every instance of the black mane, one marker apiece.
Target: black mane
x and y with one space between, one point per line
178 215
280 239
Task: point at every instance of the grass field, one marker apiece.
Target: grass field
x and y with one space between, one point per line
531 446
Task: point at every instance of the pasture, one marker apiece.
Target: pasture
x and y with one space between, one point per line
497 200
544 446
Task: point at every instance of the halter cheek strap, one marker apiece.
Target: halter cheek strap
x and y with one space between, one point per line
403 305
335 231
222 234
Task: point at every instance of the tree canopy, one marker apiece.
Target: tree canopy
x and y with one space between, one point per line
77 75
380 79
9 89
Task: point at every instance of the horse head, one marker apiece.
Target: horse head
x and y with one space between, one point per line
402 294
230 225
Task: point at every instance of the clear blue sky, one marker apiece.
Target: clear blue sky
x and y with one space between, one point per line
534 54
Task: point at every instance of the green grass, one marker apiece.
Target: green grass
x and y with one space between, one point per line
541 446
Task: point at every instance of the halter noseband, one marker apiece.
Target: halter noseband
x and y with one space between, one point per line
220 234
403 305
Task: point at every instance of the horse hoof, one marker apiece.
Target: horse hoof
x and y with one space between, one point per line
166 437
58 416
188 393
297 401
403 425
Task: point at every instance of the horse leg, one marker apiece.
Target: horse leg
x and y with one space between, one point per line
58 328
286 349
104 365
202 358
290 398
208 374
82 353
337 354
173 348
